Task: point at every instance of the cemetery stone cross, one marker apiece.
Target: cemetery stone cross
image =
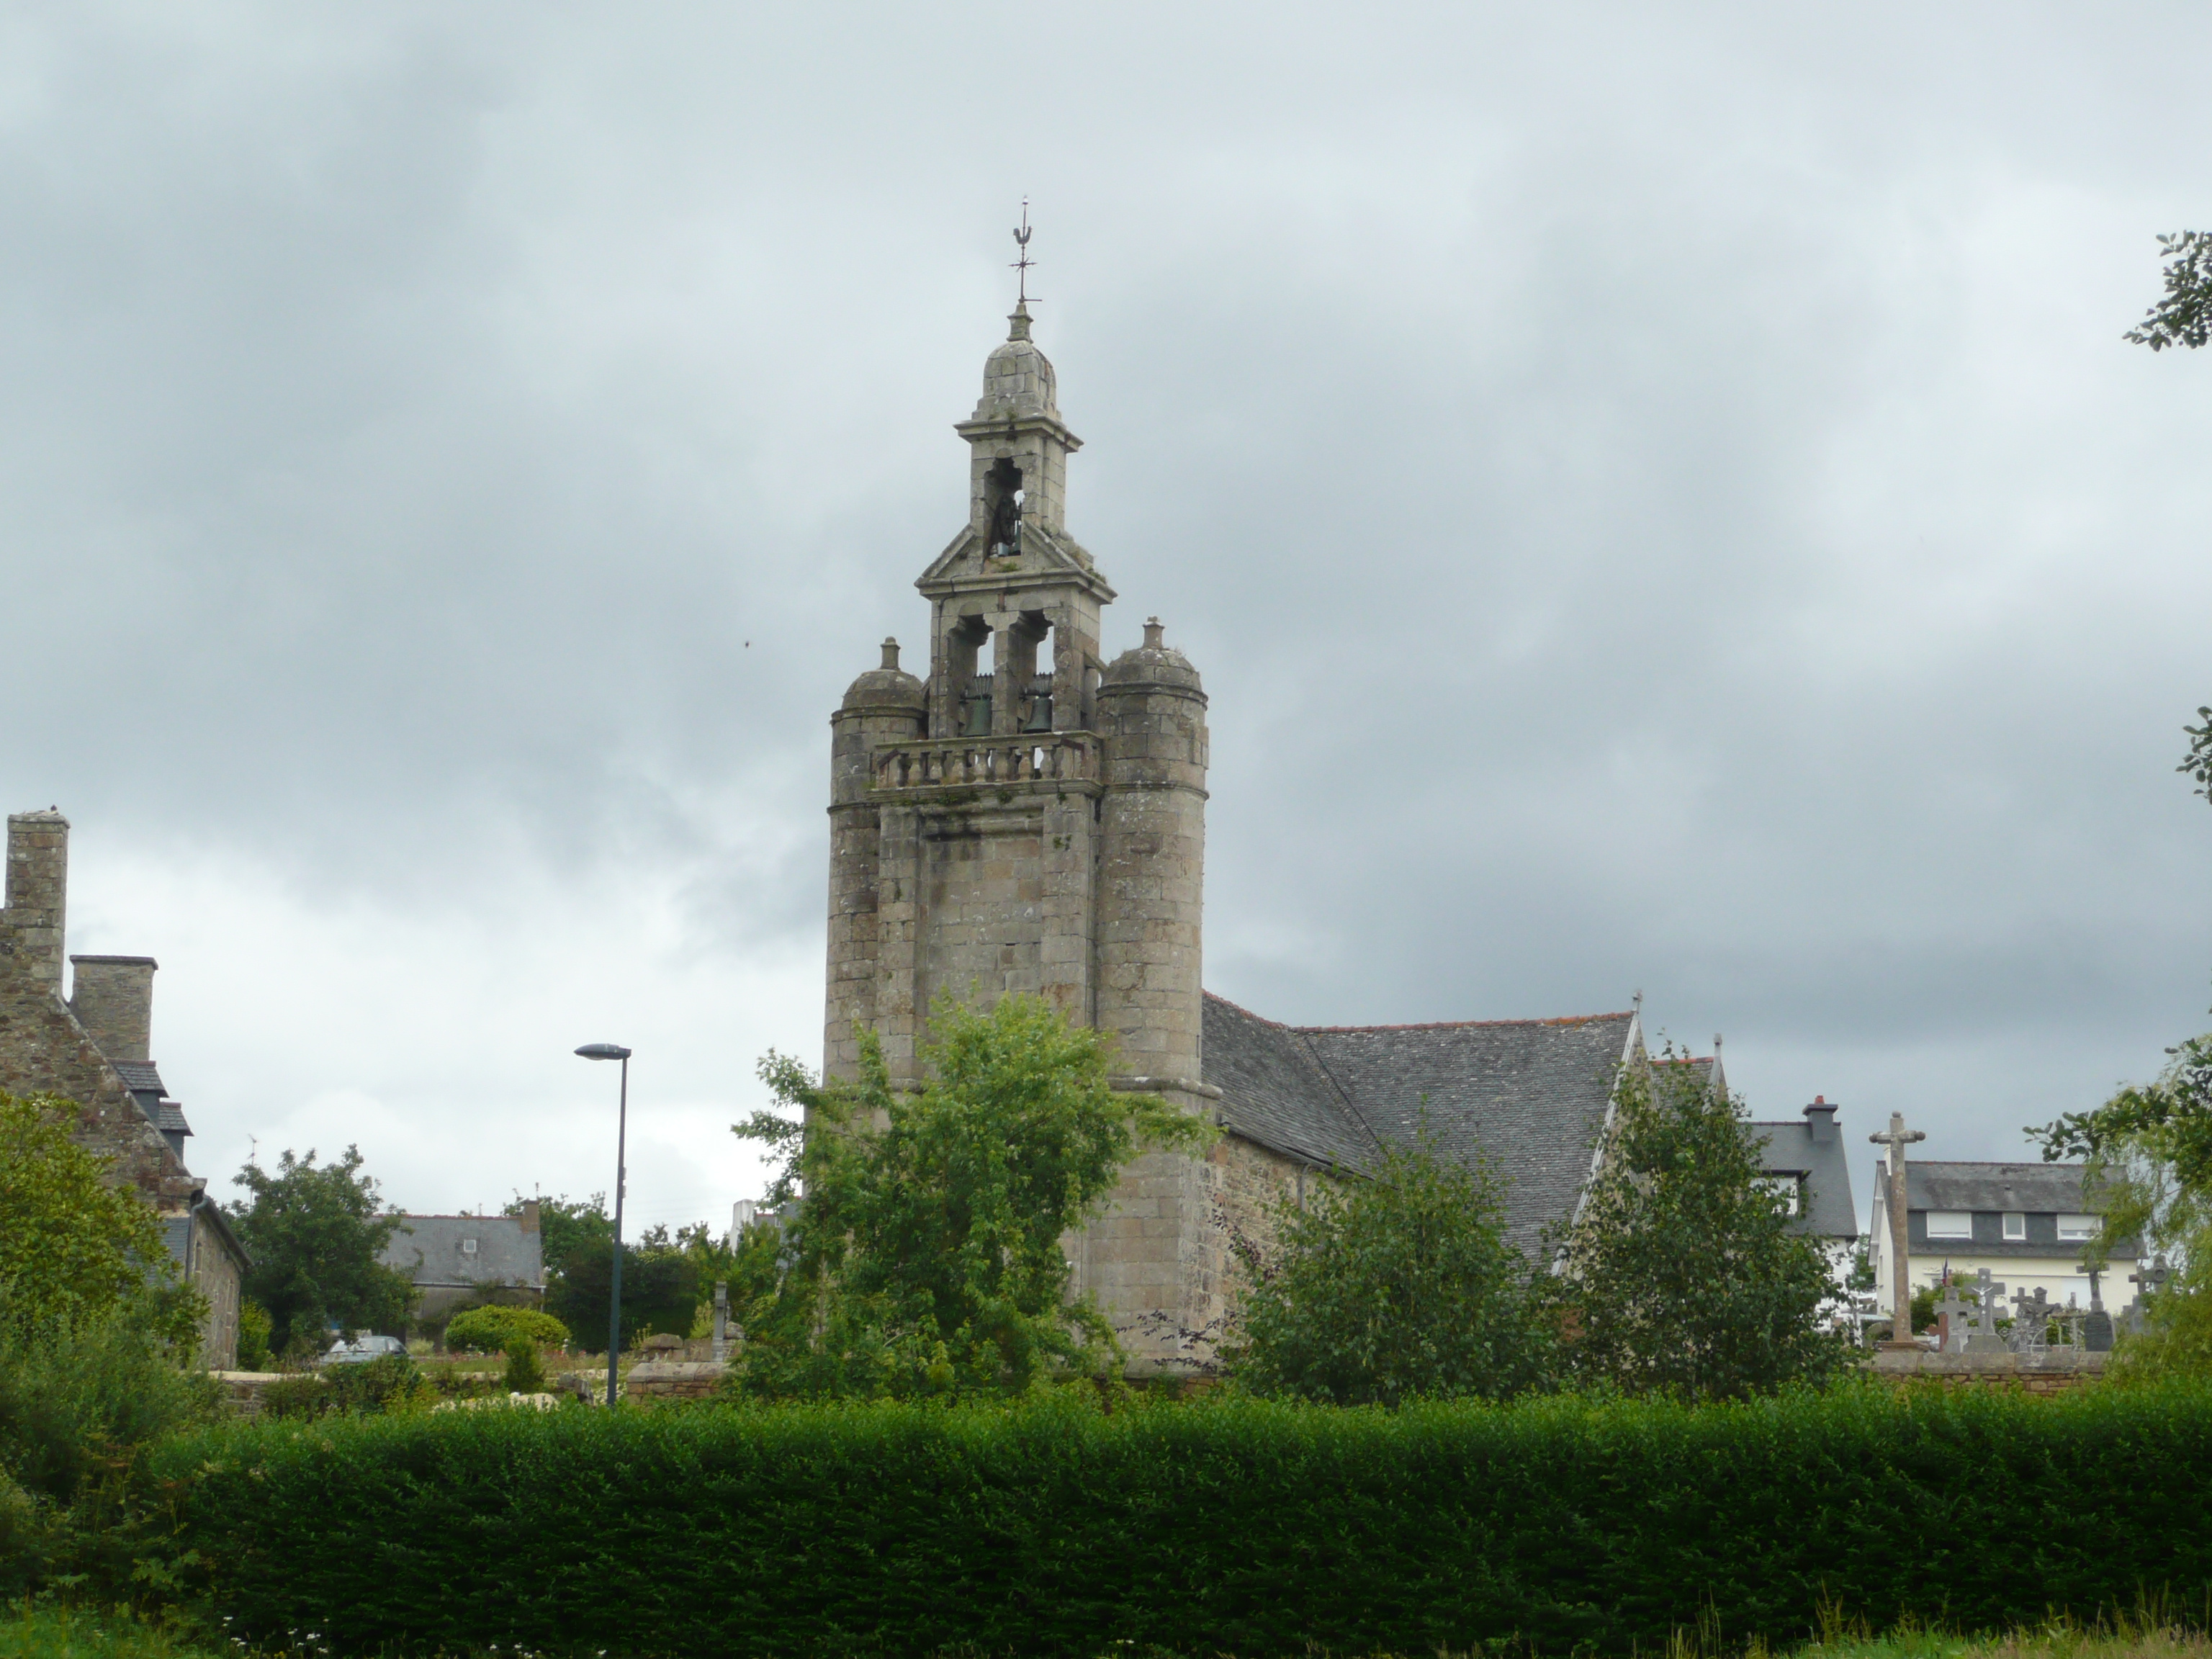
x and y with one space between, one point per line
1897 1138
1982 1333
2096 1324
1954 1303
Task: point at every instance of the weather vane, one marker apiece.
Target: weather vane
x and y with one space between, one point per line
1023 263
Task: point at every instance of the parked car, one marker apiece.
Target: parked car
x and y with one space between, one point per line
361 1349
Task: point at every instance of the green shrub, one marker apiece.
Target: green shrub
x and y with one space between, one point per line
390 1382
253 1332
488 1330
1237 1526
524 1373
78 1411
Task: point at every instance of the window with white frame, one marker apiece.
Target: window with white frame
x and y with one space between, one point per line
2015 1225
1786 1188
2074 1227
1950 1224
468 1247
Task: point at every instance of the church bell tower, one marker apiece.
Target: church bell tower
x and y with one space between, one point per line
1032 818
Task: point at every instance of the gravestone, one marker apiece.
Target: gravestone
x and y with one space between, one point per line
1982 1335
2031 1320
2096 1324
1950 1322
2149 1282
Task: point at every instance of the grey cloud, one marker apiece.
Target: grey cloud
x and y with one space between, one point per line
1656 494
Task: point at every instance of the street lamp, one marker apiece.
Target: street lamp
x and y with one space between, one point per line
615 1051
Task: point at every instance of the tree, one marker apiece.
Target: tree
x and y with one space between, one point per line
2148 1173
2197 763
1681 1275
660 1290
73 1250
660 1281
315 1234
926 1256
1397 1284
569 1229
2183 317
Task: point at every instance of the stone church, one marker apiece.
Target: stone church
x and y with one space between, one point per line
1031 817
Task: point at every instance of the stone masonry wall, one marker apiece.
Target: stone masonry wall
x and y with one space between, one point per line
113 998
44 1049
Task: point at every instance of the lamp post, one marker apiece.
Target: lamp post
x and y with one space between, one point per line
615 1051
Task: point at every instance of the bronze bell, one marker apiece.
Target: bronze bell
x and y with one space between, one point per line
979 717
1040 712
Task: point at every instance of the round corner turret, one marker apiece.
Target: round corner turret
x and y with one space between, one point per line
1152 664
889 687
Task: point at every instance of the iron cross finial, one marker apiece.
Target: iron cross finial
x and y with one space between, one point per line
1023 262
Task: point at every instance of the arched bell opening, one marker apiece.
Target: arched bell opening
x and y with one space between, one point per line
1028 667
1003 501
972 691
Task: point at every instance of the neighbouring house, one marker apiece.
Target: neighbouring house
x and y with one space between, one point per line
466 1261
2027 1223
1806 1164
93 1048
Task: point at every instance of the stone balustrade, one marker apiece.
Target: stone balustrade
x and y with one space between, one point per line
988 762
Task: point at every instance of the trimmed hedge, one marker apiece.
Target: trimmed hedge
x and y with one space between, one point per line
1232 1527
489 1328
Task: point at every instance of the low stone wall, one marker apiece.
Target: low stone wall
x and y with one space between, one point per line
655 1379
2052 1372
241 1390
672 1379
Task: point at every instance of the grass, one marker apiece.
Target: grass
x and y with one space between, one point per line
42 1631
46 1630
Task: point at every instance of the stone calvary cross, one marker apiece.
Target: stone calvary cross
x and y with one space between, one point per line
1897 1137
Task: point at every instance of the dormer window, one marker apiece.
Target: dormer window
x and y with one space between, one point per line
2016 1225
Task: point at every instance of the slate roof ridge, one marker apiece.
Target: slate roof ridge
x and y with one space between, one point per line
440 1215
1986 1163
1238 1007
1448 1024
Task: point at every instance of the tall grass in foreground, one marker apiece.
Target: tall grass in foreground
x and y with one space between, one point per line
46 1631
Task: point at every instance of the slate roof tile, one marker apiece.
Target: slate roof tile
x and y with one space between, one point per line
1529 1095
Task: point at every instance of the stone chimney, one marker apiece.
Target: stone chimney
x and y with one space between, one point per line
113 1000
30 926
1821 1119
529 1215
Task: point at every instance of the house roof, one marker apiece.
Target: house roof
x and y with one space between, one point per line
2022 1186
1528 1094
1788 1148
427 1250
168 1117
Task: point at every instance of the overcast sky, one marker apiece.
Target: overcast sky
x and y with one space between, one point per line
1656 493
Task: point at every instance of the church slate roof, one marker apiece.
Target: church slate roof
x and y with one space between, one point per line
1275 1092
1528 1094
